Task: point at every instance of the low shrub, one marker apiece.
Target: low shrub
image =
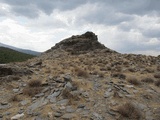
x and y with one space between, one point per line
32 91
71 97
33 88
133 81
81 73
34 83
14 98
128 110
157 75
157 83
147 80
158 68
118 75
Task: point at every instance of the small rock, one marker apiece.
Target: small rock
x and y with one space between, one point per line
69 109
81 106
69 85
67 78
4 103
45 89
68 116
63 102
17 117
52 100
141 106
15 90
62 108
21 111
24 102
39 95
50 115
55 94
107 94
50 77
130 86
37 104
1 116
7 113
85 94
57 114
97 116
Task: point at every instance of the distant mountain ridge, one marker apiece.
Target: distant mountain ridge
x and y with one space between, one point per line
21 50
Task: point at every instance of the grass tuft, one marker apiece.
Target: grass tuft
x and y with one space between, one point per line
157 75
34 83
33 88
128 110
157 83
81 73
133 81
147 80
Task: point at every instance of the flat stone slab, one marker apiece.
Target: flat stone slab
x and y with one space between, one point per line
70 109
55 94
68 116
5 106
63 102
24 102
37 104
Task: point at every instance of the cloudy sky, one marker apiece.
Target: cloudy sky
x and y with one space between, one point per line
127 26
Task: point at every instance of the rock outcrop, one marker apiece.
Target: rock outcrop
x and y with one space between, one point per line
78 44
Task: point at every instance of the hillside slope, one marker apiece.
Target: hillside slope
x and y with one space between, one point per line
30 52
81 79
8 55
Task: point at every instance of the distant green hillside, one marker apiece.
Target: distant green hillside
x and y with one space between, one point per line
8 55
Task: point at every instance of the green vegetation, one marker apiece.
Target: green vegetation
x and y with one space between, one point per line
8 55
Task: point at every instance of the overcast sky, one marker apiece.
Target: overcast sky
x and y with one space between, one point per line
127 26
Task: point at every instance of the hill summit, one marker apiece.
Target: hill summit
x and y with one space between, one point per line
78 44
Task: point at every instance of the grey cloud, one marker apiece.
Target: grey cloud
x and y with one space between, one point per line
126 46
47 6
29 12
22 7
152 33
107 16
139 7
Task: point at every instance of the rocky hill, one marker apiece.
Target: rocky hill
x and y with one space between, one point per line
81 79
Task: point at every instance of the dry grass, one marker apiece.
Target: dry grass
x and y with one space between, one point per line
128 110
67 95
81 73
34 83
158 68
75 85
131 69
157 83
33 88
32 91
15 98
119 75
157 75
133 81
147 80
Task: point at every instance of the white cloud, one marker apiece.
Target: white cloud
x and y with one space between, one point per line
12 33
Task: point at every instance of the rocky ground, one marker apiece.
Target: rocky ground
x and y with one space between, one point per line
81 79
